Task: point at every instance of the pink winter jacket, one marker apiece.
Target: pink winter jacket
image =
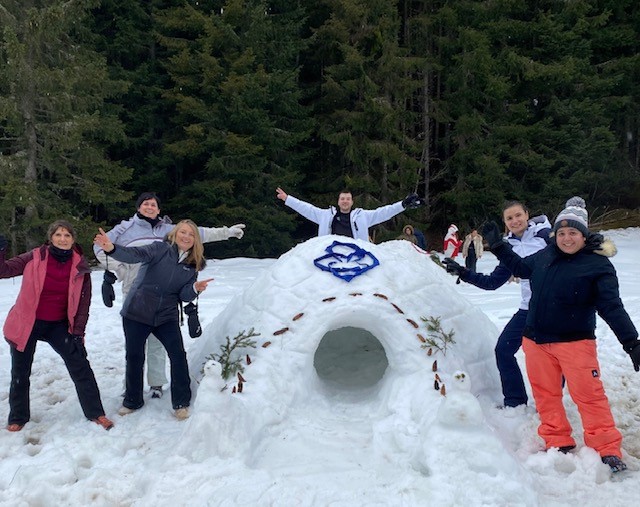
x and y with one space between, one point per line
33 266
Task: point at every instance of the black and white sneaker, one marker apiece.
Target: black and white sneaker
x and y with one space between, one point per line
156 391
615 463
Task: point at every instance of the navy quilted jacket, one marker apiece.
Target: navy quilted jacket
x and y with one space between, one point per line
162 282
568 290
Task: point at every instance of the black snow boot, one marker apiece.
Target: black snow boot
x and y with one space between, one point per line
615 463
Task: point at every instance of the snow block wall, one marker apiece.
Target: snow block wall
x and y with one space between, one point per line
320 335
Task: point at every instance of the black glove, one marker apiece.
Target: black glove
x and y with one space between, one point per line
108 294
412 201
193 321
633 349
453 267
3 242
492 235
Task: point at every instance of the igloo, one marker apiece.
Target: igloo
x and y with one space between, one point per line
342 319
323 309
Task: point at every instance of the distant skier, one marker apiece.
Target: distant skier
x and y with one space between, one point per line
345 220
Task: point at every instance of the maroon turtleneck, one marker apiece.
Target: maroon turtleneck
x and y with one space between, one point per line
55 292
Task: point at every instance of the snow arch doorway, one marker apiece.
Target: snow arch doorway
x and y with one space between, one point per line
350 358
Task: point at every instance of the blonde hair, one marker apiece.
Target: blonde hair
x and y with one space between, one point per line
196 254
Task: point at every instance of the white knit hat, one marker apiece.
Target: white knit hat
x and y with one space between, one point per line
574 215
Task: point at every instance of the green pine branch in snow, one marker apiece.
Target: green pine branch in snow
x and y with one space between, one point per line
437 338
232 365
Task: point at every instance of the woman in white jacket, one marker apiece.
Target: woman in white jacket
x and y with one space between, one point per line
526 236
147 226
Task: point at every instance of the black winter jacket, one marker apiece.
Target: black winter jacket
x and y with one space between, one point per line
567 290
161 284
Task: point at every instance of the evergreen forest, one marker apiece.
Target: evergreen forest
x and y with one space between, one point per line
212 104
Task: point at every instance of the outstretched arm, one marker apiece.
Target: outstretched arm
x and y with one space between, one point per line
128 254
307 210
117 267
383 213
210 234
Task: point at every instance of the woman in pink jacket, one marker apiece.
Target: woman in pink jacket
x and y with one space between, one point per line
52 306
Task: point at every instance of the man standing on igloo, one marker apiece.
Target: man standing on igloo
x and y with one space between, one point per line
346 221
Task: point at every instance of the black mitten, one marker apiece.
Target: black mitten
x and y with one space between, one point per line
412 201
3 242
453 267
633 349
193 322
492 235
108 294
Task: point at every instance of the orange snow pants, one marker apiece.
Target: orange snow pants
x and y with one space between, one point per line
578 362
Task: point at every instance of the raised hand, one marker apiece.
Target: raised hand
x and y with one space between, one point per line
102 240
281 194
236 231
492 235
412 201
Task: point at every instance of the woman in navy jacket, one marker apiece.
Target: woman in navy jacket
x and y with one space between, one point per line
167 277
571 280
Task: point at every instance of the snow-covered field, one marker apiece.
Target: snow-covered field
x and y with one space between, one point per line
339 435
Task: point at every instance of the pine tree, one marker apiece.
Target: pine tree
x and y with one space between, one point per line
363 120
55 126
519 104
126 33
238 125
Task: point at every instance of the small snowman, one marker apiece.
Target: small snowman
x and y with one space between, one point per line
460 407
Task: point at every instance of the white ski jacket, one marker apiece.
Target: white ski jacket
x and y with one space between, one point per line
361 219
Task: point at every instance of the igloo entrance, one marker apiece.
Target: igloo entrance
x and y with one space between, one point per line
350 358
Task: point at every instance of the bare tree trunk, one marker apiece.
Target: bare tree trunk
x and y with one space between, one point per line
27 105
425 158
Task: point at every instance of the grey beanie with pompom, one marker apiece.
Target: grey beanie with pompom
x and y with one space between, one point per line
574 215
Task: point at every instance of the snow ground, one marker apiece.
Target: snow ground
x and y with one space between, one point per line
329 445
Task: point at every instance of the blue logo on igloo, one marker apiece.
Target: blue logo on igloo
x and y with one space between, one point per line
346 260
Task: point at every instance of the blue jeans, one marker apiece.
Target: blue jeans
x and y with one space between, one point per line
509 341
136 335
